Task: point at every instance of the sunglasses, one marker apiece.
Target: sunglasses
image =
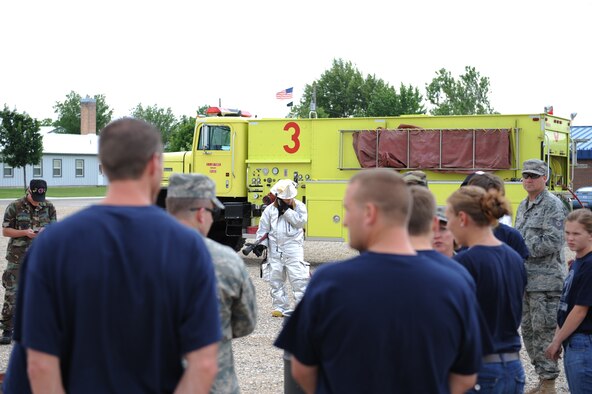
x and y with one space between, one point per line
214 211
531 176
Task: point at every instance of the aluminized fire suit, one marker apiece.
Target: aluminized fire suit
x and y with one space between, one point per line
285 252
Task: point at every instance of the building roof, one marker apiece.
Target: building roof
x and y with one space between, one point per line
585 147
73 144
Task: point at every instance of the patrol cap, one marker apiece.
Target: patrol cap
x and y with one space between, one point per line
284 189
38 188
534 166
441 214
193 186
416 177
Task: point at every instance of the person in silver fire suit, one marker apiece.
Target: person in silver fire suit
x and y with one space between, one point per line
284 222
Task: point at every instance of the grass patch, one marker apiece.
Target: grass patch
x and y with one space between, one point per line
58 191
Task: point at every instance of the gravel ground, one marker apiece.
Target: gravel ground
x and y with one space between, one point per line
259 365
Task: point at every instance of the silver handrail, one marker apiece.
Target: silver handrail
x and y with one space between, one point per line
548 146
232 155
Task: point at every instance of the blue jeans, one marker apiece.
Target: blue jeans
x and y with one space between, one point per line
578 363
500 378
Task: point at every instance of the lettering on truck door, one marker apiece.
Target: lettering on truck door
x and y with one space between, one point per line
214 156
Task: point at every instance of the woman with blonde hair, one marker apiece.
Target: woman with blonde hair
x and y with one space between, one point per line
574 319
500 278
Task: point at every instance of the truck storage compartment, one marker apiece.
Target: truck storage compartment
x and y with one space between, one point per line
439 149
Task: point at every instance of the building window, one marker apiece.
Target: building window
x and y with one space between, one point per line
8 171
57 168
38 170
79 167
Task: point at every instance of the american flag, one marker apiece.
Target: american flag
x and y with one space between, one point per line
284 94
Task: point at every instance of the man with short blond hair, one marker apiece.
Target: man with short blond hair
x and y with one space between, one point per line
374 323
114 297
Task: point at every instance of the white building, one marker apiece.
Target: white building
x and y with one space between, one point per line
68 160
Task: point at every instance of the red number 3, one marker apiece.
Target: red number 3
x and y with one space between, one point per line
287 127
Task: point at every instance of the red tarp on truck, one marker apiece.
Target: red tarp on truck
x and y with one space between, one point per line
412 147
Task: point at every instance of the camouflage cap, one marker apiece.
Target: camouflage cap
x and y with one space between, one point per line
441 214
534 166
415 177
193 186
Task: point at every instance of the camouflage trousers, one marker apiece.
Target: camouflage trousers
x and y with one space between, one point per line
539 320
10 283
226 381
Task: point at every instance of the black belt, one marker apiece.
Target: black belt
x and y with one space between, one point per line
501 357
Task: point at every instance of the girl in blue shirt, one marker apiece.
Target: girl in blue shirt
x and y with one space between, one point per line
500 279
574 319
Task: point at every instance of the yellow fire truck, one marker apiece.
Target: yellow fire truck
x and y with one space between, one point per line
246 156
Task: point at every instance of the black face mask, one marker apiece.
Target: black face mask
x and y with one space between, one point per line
282 206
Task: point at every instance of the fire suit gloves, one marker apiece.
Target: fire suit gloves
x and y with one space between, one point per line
259 249
282 207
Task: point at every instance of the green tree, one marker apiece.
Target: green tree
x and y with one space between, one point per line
468 95
409 101
68 112
342 91
182 135
20 140
338 92
162 118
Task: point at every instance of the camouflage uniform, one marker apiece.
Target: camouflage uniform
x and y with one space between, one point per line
238 310
20 215
541 224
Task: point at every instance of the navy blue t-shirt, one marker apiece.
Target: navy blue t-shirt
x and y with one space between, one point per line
511 237
119 294
500 277
577 290
385 323
450 264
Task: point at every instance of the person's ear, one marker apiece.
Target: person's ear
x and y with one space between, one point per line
463 218
370 213
199 215
154 164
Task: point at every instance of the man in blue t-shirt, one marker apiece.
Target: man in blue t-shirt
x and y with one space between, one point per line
388 320
423 222
114 297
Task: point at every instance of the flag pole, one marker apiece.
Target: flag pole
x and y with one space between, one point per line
313 102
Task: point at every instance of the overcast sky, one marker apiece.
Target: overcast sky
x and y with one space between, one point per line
183 54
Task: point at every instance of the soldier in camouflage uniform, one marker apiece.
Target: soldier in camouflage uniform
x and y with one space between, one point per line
23 220
540 219
192 200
